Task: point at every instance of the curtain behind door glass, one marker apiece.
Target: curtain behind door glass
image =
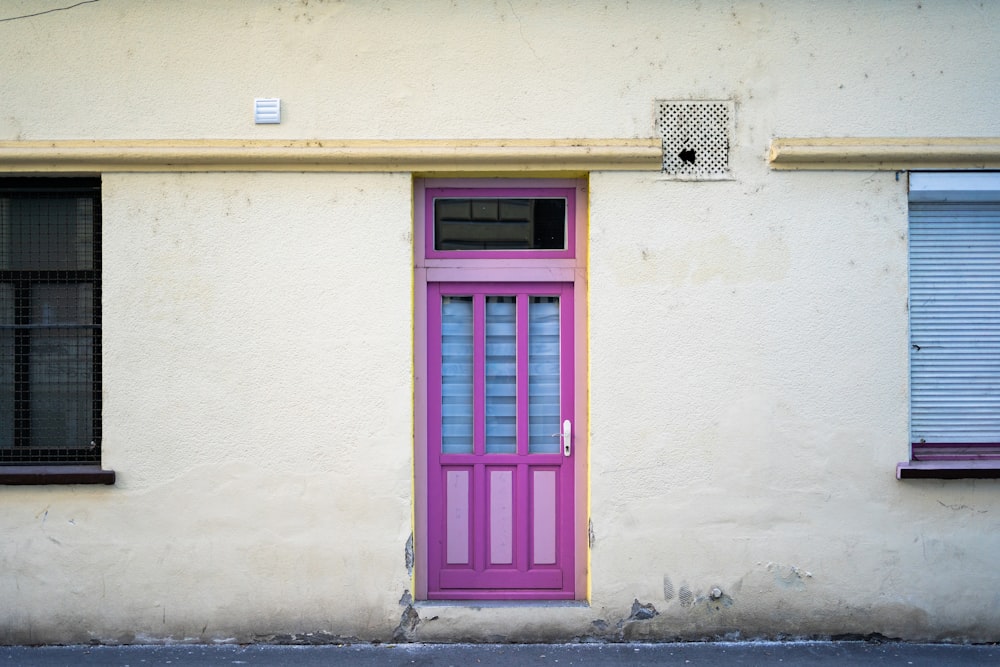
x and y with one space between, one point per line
501 374
543 375
456 375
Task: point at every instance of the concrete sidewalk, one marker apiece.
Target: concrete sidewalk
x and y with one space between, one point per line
508 655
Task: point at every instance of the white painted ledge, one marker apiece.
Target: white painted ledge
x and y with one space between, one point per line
885 154
555 156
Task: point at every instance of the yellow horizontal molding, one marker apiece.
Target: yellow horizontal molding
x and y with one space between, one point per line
888 154
570 156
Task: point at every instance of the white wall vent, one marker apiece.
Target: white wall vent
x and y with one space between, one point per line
267 110
696 137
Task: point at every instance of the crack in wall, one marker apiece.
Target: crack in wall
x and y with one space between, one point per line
47 11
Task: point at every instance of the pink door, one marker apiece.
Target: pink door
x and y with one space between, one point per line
500 442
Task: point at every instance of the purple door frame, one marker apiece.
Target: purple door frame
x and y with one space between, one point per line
493 487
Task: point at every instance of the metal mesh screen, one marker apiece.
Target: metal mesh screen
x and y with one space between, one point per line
50 321
695 137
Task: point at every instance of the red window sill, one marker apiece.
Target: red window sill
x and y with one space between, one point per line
968 469
35 475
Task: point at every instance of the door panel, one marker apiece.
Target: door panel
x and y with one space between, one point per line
500 485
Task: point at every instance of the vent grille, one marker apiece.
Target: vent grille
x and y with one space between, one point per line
267 110
696 137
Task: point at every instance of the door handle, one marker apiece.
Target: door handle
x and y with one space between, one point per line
567 438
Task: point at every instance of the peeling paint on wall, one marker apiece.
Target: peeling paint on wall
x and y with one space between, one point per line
408 620
642 612
408 555
788 575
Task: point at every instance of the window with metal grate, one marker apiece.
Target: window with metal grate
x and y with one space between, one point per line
50 321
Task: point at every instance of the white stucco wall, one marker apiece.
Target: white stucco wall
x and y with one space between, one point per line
748 338
763 353
256 381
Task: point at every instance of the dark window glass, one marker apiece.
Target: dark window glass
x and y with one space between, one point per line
50 326
500 224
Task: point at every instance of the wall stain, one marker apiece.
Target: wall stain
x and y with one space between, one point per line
718 258
686 597
668 588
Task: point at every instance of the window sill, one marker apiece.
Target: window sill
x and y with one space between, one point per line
36 475
970 469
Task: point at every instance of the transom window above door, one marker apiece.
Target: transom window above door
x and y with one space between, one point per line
499 222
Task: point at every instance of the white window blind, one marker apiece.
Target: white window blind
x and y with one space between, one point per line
954 312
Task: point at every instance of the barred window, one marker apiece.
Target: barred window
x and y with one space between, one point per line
50 321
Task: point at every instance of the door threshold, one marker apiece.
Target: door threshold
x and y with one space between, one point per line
493 604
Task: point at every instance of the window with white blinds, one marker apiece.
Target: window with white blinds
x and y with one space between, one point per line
955 315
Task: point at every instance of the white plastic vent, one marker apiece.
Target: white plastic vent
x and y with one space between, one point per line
695 136
266 110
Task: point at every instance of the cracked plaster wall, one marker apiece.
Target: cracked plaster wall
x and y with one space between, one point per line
747 338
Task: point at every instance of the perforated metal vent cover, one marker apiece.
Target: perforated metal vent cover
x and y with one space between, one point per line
696 136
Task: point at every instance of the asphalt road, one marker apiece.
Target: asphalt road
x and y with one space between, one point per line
507 655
